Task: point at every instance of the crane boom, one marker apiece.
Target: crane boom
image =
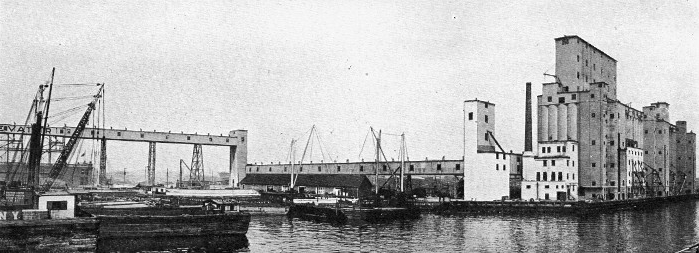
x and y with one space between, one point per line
65 153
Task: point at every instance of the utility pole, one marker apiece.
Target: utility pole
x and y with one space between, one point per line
402 162
124 176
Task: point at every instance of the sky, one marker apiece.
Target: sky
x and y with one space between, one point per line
276 68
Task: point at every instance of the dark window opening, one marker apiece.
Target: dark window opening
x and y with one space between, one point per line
550 99
538 176
486 118
439 167
384 168
574 97
118 133
57 205
546 176
338 168
545 163
412 167
361 168
553 162
486 136
458 167
470 116
319 169
561 100
594 165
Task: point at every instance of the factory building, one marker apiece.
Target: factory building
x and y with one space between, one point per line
621 152
554 175
487 166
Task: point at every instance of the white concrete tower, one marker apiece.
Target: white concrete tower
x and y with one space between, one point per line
485 177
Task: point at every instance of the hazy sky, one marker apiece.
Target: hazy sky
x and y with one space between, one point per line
275 68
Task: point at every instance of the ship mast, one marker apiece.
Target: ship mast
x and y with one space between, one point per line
402 162
292 155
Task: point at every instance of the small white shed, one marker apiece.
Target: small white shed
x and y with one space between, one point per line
58 206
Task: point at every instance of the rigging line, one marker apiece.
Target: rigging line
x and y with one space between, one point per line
56 121
78 84
72 98
320 145
21 141
72 155
306 148
71 110
363 143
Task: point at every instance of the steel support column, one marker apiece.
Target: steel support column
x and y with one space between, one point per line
102 179
196 172
151 163
233 168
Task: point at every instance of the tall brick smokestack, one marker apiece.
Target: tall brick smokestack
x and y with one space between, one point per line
528 119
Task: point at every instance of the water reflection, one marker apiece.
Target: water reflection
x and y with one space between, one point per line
175 244
661 228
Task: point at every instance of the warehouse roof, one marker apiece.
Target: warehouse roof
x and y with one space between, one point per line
319 180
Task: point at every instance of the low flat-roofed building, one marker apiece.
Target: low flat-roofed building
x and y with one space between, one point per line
339 184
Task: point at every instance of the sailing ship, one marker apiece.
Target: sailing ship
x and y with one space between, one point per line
384 204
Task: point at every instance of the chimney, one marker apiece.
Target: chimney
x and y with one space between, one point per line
528 119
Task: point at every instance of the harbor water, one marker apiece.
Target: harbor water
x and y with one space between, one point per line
662 228
665 228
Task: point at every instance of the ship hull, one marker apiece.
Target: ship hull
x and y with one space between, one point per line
124 226
68 235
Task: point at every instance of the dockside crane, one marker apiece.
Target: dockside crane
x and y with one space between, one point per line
68 148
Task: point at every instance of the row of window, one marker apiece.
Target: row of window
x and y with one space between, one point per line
557 187
562 100
470 116
553 163
361 168
544 176
558 149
